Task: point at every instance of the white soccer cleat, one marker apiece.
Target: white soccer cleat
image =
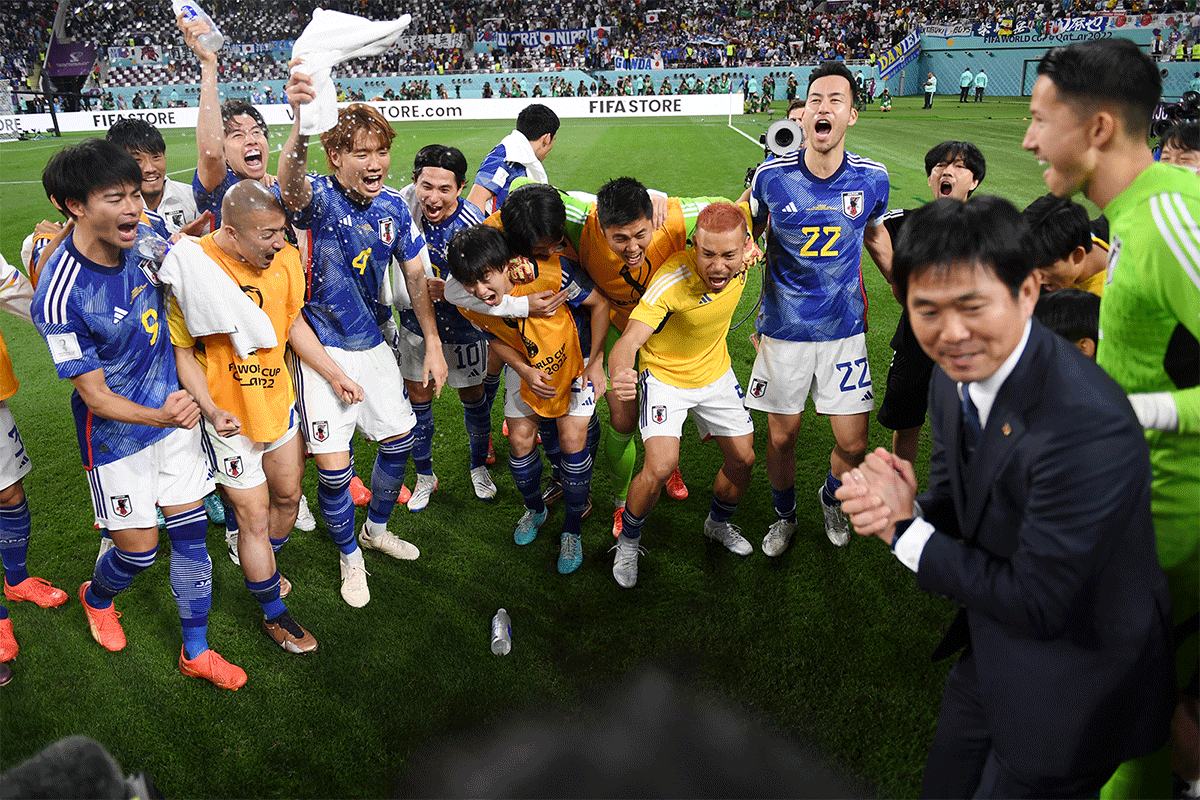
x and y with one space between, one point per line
837 527
778 537
354 584
728 535
304 518
388 543
625 563
231 544
426 486
481 480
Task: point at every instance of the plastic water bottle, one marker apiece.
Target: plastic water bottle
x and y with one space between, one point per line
211 41
501 633
149 245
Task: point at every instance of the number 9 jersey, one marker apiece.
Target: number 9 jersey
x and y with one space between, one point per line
813 290
111 318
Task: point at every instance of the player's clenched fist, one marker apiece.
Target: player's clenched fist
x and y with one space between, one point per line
624 384
180 410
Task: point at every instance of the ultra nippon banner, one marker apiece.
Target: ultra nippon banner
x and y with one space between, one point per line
688 105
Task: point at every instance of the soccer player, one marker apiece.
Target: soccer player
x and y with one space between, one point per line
556 381
104 320
1090 115
679 329
620 247
1180 145
1068 253
519 154
952 169
358 225
824 204
167 204
248 404
15 523
231 138
439 173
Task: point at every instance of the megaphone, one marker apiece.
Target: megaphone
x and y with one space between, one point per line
783 137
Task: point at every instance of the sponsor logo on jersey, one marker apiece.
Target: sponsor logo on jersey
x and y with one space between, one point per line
758 387
658 414
320 430
387 230
121 505
852 204
233 466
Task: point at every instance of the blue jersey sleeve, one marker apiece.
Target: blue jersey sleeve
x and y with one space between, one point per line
315 209
577 283
493 173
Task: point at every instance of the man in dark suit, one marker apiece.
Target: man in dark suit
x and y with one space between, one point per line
1037 523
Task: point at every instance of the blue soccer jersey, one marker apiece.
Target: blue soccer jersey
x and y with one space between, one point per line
114 319
452 326
351 248
813 290
496 175
211 201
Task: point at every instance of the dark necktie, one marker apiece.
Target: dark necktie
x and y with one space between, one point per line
972 428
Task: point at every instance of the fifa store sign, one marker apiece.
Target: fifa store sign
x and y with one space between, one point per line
689 105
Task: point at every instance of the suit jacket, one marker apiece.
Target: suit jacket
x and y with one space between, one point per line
1046 541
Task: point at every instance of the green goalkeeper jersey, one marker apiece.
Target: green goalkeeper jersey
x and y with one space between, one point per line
1153 291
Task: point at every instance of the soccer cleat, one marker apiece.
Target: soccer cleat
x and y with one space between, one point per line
213 668
104 622
5 674
354 584
570 554
162 520
527 526
288 634
625 563
618 522
426 486
504 429
231 544
305 521
778 537
491 455
106 544
388 543
481 480
404 496
285 587
676 488
359 493
214 509
837 527
38 590
728 535
8 640
553 491
587 509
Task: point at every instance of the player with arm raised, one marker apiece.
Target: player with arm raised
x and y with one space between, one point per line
104 319
824 204
358 225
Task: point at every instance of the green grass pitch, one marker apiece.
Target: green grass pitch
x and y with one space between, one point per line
828 645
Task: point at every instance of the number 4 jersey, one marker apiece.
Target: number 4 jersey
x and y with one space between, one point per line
813 291
110 318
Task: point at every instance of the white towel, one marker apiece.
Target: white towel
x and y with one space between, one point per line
212 302
518 150
329 39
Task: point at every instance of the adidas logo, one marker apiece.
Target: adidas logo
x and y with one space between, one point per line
118 315
347 220
790 208
868 396
705 299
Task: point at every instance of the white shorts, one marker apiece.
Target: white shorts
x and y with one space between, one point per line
718 408
328 423
236 461
14 461
467 362
171 472
583 398
835 372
